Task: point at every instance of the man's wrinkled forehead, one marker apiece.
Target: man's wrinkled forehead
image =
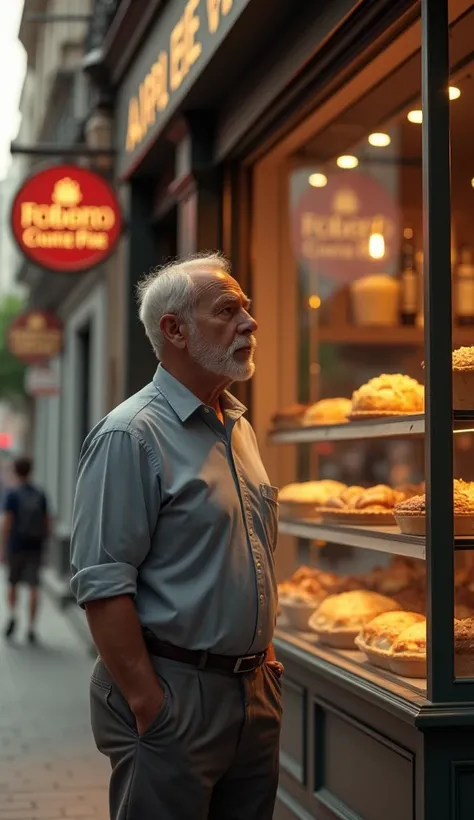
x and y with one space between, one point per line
212 285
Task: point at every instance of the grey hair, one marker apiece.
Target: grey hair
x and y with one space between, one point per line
172 289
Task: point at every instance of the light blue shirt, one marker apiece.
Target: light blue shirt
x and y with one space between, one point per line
175 509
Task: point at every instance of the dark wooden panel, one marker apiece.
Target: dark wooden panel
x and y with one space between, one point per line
359 773
293 732
463 790
287 808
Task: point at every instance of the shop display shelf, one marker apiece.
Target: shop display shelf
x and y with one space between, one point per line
380 539
413 425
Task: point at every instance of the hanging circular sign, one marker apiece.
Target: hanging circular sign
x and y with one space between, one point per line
66 219
347 228
35 337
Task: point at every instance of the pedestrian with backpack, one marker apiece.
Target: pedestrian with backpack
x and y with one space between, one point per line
25 530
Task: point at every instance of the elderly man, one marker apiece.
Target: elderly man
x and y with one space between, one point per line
175 527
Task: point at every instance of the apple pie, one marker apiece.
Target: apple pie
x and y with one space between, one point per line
365 507
376 638
301 500
408 654
339 619
388 395
410 514
327 411
289 417
463 378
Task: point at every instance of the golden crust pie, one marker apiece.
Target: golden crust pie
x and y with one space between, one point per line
310 492
289 416
376 639
339 618
327 411
389 393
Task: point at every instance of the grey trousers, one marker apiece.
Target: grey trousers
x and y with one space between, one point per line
211 754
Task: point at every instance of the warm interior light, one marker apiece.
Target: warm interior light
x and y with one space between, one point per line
472 182
379 140
376 246
454 93
415 116
314 302
318 180
347 161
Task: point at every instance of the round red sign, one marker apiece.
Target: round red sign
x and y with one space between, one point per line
35 337
66 218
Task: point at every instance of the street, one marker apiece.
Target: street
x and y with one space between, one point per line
49 767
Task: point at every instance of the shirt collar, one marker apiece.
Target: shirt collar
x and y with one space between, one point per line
185 403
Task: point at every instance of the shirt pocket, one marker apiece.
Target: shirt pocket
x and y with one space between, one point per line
270 513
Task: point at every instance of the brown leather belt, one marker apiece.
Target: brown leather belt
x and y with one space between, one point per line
204 660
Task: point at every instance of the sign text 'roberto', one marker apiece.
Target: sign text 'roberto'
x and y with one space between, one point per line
66 218
173 64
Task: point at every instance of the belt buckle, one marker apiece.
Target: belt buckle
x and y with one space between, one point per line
240 661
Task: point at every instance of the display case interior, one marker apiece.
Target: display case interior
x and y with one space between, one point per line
352 441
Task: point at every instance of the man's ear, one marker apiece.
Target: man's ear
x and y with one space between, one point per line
172 330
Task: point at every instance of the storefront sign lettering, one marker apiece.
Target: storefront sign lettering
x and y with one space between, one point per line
66 218
173 64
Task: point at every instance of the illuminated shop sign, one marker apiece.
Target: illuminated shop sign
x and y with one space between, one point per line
348 228
185 37
66 218
35 337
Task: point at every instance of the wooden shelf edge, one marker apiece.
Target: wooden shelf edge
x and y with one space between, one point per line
378 539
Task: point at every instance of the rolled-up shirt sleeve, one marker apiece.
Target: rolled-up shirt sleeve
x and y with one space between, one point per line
116 508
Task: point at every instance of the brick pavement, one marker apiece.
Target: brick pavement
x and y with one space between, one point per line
49 767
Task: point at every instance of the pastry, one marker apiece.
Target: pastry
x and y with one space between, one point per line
327 411
464 648
410 514
463 378
339 619
376 638
302 499
408 655
302 594
392 394
359 506
289 417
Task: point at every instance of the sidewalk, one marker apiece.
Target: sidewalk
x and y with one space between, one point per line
49 767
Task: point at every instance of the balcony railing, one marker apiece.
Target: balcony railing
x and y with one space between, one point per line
103 13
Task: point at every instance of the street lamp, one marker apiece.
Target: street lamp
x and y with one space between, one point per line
98 136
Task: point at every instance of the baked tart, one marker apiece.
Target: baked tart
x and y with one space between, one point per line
376 638
302 500
289 417
410 514
327 411
463 378
464 648
408 655
387 395
340 618
363 507
302 594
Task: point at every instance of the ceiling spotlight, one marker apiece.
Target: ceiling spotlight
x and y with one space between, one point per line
454 93
318 180
379 140
347 161
415 116
314 302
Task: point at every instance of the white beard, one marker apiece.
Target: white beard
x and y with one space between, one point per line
220 360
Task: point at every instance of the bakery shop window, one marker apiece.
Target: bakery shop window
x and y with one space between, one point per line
351 428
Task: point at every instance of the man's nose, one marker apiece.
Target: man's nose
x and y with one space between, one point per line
247 325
